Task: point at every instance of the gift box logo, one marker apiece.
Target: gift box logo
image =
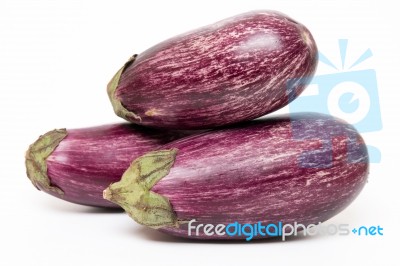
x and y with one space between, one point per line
347 94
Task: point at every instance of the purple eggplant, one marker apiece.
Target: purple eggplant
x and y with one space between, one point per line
78 164
237 69
302 168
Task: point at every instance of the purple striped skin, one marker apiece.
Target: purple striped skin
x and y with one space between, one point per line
255 172
234 70
88 160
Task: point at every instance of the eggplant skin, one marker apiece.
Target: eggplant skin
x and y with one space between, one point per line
81 163
235 70
302 168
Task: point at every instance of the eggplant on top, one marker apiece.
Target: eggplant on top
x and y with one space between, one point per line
237 69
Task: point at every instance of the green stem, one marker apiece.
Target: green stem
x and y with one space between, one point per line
35 159
133 193
119 109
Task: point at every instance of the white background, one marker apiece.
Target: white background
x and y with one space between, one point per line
56 58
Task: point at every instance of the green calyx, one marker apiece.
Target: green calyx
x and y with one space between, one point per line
119 109
133 193
35 159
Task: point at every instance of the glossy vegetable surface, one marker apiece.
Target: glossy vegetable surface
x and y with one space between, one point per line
305 168
237 69
78 164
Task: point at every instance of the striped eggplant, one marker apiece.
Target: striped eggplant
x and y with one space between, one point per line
78 164
302 168
234 70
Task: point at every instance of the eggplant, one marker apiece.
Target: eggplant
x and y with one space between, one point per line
76 165
237 69
303 168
